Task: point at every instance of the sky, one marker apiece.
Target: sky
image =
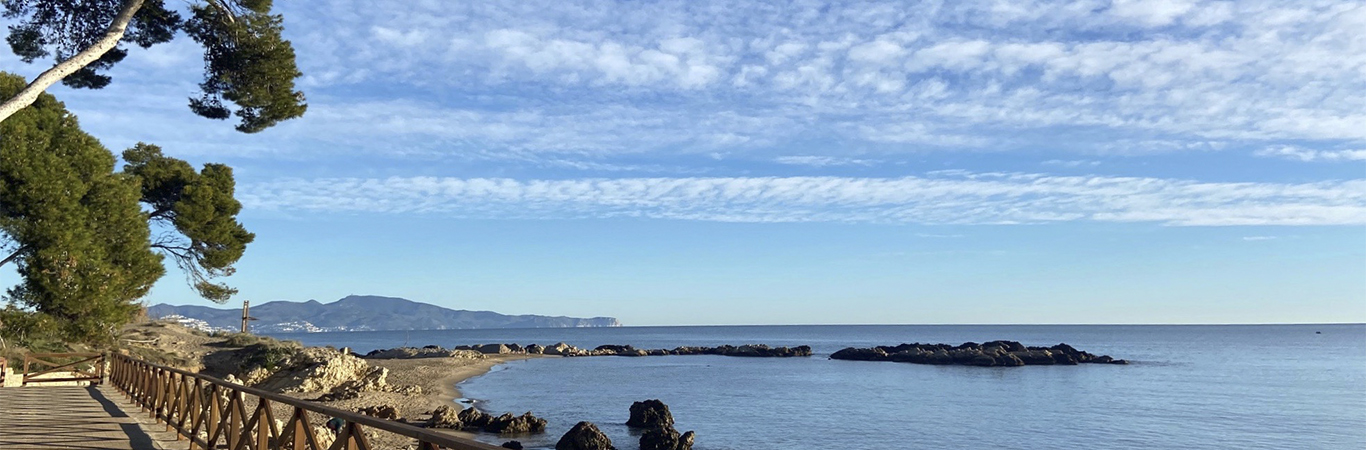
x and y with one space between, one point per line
758 162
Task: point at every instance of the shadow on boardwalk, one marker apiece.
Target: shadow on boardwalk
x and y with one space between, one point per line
68 417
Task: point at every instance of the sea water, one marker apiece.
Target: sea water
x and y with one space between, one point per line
1187 387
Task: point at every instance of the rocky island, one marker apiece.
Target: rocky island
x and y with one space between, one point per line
990 354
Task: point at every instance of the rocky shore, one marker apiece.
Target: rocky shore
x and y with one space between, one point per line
990 354
563 349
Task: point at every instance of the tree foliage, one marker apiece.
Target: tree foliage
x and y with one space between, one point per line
247 62
77 231
200 208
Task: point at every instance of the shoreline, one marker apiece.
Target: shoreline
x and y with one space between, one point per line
446 385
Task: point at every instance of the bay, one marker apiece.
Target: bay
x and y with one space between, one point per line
1216 387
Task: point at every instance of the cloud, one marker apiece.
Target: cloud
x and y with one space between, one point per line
1072 163
971 198
1311 155
822 161
455 78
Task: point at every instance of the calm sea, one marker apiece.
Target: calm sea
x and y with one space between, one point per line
1188 387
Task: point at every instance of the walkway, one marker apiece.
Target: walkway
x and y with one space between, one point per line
72 417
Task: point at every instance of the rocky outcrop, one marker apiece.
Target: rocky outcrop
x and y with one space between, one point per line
430 351
375 381
654 416
666 439
315 369
387 412
650 414
445 417
561 349
514 445
990 354
584 436
473 418
493 349
510 424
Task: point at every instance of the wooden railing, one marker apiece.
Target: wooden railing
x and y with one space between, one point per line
77 367
211 413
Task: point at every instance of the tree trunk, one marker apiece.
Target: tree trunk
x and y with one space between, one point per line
111 38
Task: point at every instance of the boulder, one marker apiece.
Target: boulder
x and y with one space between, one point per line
445 417
650 414
685 441
473 418
386 412
860 354
559 349
510 424
514 445
493 349
534 349
514 348
584 436
663 438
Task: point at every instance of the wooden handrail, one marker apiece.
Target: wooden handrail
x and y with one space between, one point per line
210 412
95 376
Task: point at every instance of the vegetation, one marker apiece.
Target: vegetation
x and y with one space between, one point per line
249 69
77 232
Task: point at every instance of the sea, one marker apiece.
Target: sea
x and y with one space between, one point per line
1186 387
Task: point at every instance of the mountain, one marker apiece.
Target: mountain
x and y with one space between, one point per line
365 312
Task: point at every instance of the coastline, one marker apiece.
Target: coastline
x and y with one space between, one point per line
437 377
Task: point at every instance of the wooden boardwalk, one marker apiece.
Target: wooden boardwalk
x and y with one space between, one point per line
73 417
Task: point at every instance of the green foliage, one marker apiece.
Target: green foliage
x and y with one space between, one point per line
201 207
83 252
76 231
246 60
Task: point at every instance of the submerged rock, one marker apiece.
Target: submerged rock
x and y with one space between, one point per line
584 436
650 414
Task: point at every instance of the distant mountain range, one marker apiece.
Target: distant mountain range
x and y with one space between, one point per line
361 313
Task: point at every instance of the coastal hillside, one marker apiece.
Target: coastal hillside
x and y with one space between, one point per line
363 312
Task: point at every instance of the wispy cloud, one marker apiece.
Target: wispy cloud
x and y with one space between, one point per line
746 77
1311 155
976 199
822 161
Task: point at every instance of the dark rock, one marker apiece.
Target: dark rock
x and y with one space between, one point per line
685 441
1119 361
445 417
650 414
473 418
860 354
534 349
663 438
514 348
514 445
431 347
510 424
584 436
493 349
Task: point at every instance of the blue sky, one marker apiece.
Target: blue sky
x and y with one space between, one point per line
698 162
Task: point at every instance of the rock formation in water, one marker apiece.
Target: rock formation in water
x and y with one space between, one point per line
654 416
563 349
584 436
650 414
994 353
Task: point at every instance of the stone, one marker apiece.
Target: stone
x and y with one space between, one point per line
584 436
559 349
493 349
663 438
686 440
445 417
473 418
860 354
650 414
316 369
510 424
534 349
386 412
514 445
